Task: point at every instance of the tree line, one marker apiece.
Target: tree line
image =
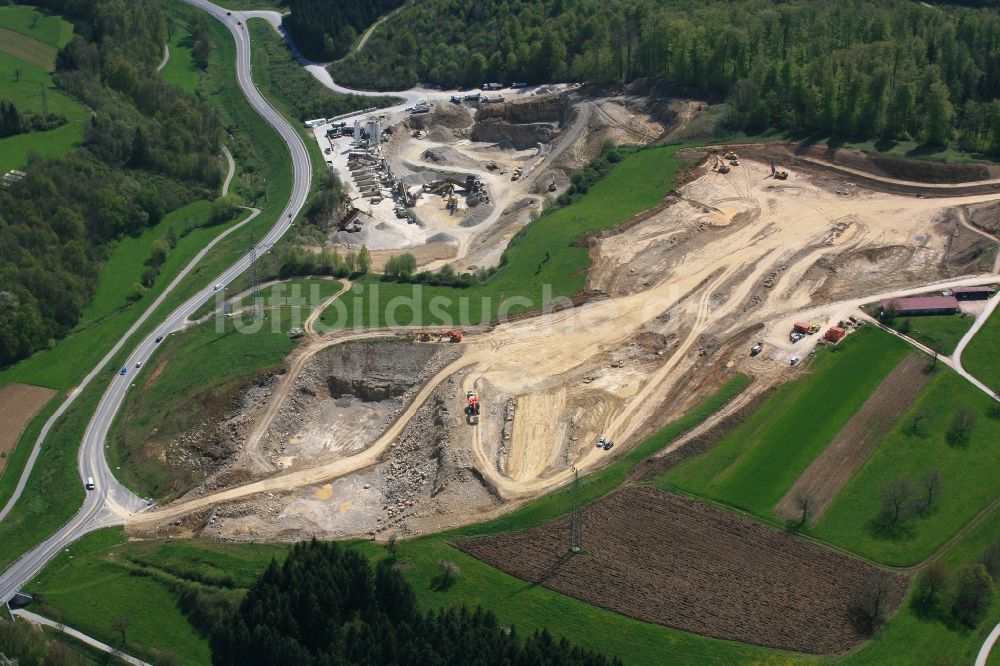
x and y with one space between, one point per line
884 69
13 122
325 605
325 30
147 149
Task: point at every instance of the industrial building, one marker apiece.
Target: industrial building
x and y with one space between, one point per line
921 305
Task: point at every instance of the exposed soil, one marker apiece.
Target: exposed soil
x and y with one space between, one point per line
986 216
18 405
346 395
849 449
678 562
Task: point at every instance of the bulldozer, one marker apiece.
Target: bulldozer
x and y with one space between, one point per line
472 407
778 173
732 156
518 172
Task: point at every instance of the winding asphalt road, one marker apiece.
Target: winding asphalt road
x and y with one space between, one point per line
110 503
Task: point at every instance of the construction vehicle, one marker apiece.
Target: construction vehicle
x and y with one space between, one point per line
813 328
518 172
734 162
732 156
552 185
721 166
452 335
472 407
778 173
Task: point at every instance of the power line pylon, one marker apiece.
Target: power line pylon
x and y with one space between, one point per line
257 310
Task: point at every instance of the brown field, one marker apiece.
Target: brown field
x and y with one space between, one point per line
675 561
845 454
18 405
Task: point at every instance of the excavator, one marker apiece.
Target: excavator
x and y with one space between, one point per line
453 336
778 173
721 166
472 407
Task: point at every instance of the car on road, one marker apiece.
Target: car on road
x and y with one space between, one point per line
159 338
600 443
229 13
138 364
756 348
794 361
217 287
90 483
123 371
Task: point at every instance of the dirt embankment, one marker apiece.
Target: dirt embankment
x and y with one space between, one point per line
678 562
877 172
985 216
522 124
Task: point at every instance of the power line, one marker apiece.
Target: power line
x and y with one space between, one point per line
257 310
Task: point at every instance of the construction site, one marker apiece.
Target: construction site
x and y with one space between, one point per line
762 254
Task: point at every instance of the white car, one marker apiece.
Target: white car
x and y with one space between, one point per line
600 443
794 361
217 287
138 364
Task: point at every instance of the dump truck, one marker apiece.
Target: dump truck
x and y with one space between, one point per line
472 407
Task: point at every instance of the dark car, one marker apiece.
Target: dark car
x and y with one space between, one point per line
159 338
123 371
608 444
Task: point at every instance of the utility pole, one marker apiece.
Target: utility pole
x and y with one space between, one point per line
576 531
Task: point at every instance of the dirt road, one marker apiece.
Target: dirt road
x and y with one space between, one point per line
749 253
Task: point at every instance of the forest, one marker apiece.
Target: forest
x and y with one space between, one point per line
884 69
325 30
325 605
147 150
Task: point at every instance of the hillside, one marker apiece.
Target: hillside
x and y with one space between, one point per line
146 149
886 69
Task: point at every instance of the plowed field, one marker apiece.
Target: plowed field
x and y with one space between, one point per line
678 562
18 405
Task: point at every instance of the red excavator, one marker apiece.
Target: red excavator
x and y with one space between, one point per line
472 408
453 336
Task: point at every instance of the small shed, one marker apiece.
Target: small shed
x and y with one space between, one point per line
834 334
972 293
799 327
